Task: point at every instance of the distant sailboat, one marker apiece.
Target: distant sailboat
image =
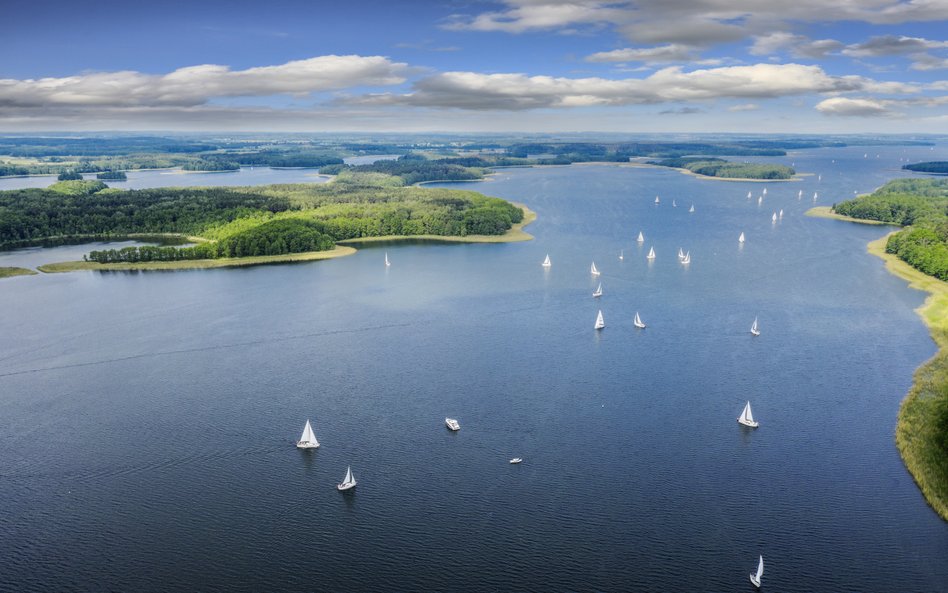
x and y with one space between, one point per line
637 322
387 263
593 270
621 254
681 253
815 196
755 578
308 439
760 200
687 259
780 215
754 329
516 460
747 417
599 321
800 194
674 204
748 195
692 209
774 217
765 191
348 482
741 238
547 263
641 238
598 292
656 199
651 254
819 178
452 424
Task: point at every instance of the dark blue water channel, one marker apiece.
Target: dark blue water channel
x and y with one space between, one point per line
148 419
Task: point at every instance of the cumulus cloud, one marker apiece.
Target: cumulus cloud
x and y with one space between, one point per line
890 45
928 62
843 106
196 85
799 46
695 22
476 91
744 107
651 55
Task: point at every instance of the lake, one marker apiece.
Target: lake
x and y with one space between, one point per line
149 419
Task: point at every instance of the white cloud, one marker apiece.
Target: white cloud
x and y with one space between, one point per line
928 62
744 107
651 55
476 91
799 46
853 107
196 85
889 45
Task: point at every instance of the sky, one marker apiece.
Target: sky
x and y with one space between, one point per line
650 66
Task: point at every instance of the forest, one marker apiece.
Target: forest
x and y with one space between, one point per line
920 205
715 167
239 222
939 167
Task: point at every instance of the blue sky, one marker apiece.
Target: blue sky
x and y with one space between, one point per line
472 66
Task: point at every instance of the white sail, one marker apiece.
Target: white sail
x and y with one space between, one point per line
780 214
637 322
593 270
349 481
621 254
656 199
674 204
747 417
681 253
755 578
651 253
598 292
748 195
765 191
641 238
760 200
754 329
774 217
308 438
546 262
799 194
599 321
741 238
387 263
692 209
687 258
815 195
819 178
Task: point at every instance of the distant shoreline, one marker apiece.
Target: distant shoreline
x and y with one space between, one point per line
795 177
827 212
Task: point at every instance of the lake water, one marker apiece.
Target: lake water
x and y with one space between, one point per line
148 419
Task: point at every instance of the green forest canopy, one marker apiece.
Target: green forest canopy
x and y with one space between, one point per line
920 205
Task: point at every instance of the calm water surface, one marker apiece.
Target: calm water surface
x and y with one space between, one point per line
149 418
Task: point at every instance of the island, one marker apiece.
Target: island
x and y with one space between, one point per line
112 176
919 254
934 167
9 272
723 169
237 226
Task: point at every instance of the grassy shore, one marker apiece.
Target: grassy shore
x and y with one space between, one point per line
796 177
917 430
7 272
827 212
198 264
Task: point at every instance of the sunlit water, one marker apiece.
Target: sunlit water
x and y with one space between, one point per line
148 419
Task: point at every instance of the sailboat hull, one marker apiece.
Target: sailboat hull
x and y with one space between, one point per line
754 580
307 445
749 423
344 487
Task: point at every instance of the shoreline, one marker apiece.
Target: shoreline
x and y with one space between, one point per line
827 212
12 271
916 431
795 177
342 249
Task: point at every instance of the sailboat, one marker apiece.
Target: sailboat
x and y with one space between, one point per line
774 217
741 238
765 191
692 209
621 254
308 439
748 195
819 178
641 238
651 254
687 259
593 270
815 196
598 292
755 578
516 460
452 423
674 204
348 482
681 254
747 417
754 329
780 215
760 200
547 263
387 263
599 321
656 199
800 194
637 322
